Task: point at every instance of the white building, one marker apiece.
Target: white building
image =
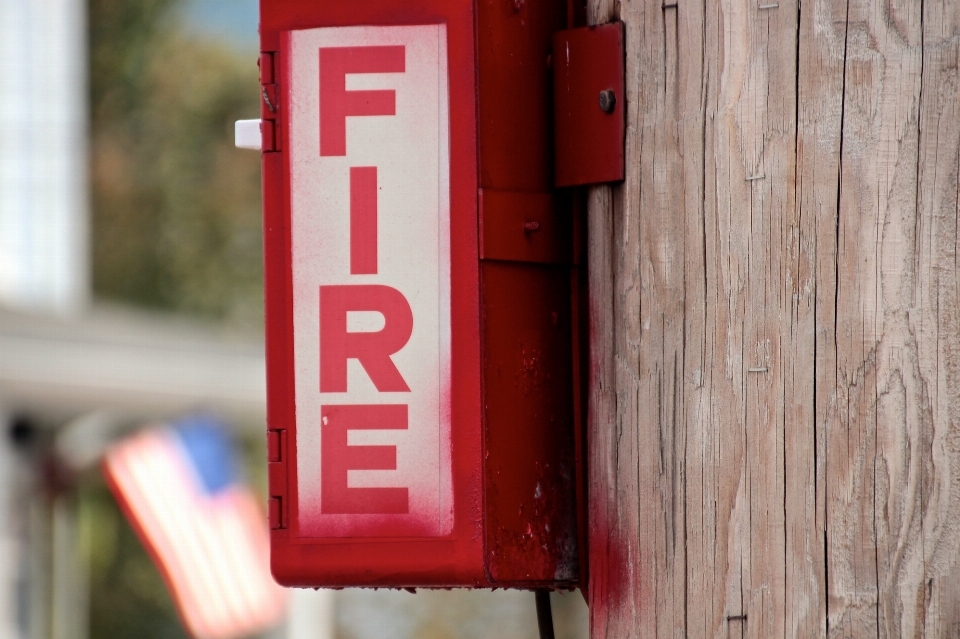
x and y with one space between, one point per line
43 155
43 236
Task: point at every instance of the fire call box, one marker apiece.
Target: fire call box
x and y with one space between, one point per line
422 296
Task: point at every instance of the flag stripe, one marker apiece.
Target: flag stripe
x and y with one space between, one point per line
121 470
176 549
211 548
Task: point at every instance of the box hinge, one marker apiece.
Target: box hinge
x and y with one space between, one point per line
269 101
263 134
589 105
277 477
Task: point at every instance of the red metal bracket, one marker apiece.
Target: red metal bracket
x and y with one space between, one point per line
588 102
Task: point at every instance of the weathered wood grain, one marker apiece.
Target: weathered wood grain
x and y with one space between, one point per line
820 78
938 317
775 304
605 538
874 437
610 534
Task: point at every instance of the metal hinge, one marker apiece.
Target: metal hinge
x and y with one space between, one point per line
589 105
262 134
277 477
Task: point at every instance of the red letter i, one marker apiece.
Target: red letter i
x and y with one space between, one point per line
363 220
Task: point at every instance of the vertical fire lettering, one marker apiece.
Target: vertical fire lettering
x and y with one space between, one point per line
371 256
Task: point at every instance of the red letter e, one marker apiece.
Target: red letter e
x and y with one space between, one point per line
337 458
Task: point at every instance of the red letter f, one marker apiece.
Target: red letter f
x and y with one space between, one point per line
336 103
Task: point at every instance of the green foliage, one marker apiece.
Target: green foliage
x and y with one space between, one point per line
176 226
128 598
176 208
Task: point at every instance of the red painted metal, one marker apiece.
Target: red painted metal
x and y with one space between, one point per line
529 490
589 142
268 136
515 255
525 227
273 445
266 68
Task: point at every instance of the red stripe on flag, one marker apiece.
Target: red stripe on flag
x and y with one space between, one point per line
213 552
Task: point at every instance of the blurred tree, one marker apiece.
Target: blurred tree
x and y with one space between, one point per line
176 208
127 596
176 226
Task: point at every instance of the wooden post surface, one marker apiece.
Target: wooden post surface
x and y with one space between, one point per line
774 419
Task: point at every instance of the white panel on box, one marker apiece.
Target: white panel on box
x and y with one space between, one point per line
370 213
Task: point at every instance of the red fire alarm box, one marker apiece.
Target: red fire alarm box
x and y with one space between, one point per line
423 286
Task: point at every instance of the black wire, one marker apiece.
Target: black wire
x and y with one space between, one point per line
544 614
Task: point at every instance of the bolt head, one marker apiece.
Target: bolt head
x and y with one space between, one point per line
608 100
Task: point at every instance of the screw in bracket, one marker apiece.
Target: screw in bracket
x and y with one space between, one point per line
608 100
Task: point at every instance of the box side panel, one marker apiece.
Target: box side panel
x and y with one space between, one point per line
530 476
530 485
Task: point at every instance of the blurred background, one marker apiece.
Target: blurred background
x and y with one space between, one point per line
131 295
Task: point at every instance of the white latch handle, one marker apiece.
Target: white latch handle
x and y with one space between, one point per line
246 134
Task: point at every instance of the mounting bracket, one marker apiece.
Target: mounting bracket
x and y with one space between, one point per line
589 104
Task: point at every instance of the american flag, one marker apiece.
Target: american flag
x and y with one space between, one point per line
180 490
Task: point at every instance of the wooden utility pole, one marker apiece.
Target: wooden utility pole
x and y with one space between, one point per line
775 309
